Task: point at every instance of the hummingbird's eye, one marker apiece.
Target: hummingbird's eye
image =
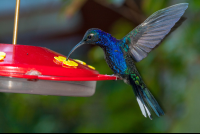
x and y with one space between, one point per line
89 37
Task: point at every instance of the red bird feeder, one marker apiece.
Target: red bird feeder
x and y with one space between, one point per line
38 70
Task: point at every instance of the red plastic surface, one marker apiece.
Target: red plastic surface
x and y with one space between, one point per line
21 59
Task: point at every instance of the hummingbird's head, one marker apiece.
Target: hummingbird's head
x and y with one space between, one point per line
93 36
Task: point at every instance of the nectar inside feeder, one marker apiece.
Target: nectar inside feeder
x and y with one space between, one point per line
38 70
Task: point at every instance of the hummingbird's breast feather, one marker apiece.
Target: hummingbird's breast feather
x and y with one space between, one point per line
115 60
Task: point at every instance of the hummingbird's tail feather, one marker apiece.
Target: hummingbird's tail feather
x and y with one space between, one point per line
145 99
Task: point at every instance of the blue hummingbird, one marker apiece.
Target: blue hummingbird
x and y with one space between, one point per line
121 55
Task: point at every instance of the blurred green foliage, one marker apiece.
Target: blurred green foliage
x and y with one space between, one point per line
171 72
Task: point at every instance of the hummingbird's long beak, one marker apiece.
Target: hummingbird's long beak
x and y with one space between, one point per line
78 45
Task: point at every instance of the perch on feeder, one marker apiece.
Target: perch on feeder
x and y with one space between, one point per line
38 70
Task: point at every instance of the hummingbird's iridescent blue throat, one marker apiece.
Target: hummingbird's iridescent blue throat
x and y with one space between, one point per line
121 55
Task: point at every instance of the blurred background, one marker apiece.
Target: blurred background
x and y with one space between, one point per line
171 72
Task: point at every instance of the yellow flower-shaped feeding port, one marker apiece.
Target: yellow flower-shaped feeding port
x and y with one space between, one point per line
91 67
81 62
70 63
60 58
2 56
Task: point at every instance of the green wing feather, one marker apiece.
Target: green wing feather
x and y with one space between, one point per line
153 30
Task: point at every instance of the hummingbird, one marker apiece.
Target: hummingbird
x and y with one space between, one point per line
122 54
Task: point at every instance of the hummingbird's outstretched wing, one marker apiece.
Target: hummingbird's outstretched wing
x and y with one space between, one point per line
153 30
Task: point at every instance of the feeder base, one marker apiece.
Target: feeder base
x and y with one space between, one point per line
44 87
